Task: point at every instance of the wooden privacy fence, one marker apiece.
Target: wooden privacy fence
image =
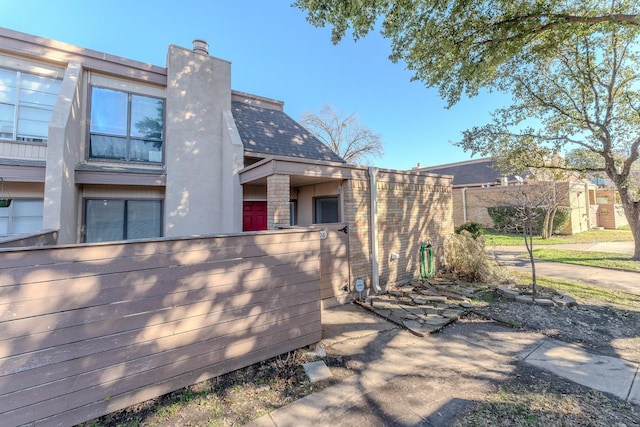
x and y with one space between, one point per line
90 329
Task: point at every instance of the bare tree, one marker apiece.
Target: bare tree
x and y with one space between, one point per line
526 205
344 134
550 168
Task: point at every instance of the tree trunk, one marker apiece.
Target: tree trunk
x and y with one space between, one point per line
527 231
632 213
544 233
634 223
552 218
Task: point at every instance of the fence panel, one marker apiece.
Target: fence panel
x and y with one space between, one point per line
90 329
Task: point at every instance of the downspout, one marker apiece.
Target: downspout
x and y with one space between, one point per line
464 205
373 188
588 204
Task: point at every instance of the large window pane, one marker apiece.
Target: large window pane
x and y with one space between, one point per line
137 119
39 89
23 225
7 90
104 220
8 86
32 97
33 123
108 147
21 217
28 208
146 117
109 111
35 98
7 118
4 221
143 219
145 151
112 220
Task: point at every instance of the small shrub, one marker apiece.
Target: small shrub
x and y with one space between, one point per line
474 228
504 219
561 220
466 257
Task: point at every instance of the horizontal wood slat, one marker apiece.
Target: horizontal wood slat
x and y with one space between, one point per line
90 329
334 263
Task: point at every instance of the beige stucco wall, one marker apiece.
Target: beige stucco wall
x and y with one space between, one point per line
307 193
197 102
65 149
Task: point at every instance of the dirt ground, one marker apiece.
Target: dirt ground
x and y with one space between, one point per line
238 397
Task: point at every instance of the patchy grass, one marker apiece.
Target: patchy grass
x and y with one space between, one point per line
231 399
588 258
591 236
535 398
586 294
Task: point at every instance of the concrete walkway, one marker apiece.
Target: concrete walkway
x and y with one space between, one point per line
629 282
406 380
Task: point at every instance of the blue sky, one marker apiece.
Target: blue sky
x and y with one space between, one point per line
274 53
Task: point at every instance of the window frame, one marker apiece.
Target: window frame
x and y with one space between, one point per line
10 216
20 103
315 209
125 219
293 212
128 138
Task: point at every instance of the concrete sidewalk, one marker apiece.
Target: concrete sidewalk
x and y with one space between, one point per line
406 380
624 281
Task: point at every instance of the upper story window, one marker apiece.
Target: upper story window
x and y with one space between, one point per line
125 126
26 103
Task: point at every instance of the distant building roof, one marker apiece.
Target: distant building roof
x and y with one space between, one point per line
272 132
470 173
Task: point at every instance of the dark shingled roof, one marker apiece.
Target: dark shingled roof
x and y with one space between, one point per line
272 132
469 173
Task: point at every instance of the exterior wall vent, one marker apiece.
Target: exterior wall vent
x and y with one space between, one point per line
201 46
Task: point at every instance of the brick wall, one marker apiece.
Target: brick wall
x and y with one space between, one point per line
278 194
477 200
611 216
412 209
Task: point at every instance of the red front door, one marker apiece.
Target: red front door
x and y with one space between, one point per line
254 216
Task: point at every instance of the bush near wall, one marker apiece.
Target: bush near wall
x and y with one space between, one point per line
505 219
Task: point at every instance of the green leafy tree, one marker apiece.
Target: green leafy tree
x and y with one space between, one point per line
586 98
571 67
460 45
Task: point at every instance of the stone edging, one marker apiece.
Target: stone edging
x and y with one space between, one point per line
560 300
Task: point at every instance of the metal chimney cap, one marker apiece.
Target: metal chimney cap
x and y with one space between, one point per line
201 46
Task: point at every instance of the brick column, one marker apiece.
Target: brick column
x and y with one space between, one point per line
278 194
